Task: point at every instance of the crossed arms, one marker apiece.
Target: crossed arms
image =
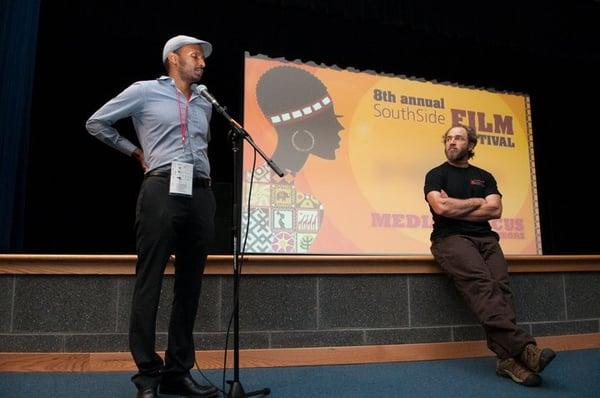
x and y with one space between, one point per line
472 209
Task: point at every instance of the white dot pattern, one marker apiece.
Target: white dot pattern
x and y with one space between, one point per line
300 113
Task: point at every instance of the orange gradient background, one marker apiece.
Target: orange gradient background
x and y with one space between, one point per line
381 163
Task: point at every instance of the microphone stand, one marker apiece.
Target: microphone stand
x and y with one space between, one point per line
237 134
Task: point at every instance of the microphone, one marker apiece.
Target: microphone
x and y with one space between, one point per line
203 91
239 132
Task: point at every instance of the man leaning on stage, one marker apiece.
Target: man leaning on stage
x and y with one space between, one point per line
462 199
175 209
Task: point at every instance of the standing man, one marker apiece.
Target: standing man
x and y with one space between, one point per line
175 209
462 199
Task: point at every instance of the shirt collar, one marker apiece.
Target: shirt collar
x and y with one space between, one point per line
171 81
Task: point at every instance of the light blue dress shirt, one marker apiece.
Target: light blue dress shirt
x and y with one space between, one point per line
153 107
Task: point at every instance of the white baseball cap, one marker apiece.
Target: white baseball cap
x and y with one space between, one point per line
175 43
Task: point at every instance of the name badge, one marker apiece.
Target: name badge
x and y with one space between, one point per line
182 175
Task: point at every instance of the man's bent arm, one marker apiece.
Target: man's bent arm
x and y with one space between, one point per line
490 210
446 206
123 105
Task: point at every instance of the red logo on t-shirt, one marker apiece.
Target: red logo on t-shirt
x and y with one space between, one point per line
481 183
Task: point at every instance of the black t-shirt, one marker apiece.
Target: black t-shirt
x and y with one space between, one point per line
460 183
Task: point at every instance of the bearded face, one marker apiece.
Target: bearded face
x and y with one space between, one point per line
456 154
456 145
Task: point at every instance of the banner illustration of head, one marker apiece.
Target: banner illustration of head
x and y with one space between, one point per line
301 110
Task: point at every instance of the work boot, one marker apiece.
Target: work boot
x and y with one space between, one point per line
536 359
510 367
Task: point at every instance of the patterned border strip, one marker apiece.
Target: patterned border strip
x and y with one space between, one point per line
536 208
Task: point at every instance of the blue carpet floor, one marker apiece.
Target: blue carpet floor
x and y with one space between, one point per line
572 374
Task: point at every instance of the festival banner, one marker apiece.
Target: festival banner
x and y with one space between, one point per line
356 146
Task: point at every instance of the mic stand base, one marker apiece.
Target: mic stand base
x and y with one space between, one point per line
237 391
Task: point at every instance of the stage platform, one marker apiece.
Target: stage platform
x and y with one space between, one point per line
70 312
37 264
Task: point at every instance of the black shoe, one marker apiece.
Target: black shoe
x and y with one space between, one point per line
186 386
147 392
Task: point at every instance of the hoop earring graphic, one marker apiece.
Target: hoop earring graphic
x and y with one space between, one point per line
300 149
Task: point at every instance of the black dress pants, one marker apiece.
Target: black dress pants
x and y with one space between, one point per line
166 225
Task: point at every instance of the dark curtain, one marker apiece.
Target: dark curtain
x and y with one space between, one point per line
18 37
549 50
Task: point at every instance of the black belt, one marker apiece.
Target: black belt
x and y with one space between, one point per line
198 181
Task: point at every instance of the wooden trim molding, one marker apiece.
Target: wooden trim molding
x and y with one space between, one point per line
36 264
259 358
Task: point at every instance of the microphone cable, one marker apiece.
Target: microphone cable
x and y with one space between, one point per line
236 298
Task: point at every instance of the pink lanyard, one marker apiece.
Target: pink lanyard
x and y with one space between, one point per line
182 117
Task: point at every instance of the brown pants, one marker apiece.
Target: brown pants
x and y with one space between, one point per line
479 271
